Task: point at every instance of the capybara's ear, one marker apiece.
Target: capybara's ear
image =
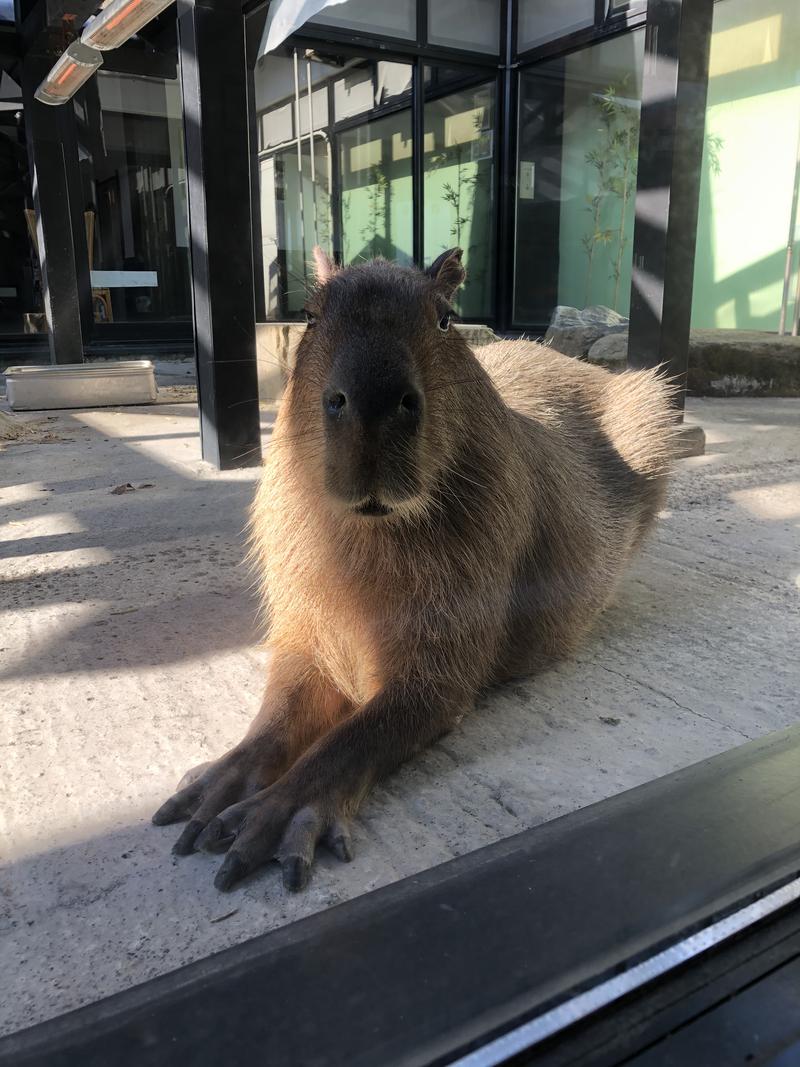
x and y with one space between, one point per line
448 271
324 265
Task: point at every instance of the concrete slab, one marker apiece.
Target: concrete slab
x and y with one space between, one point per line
129 651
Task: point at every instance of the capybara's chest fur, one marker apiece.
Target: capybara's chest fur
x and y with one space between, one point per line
549 487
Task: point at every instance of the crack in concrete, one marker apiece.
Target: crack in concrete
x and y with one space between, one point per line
666 696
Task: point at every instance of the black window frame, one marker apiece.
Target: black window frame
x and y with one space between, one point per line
506 67
480 68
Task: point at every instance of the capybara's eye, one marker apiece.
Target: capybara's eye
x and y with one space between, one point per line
410 403
335 403
311 318
444 322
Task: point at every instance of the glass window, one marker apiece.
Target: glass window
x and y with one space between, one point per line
472 24
20 281
134 186
376 197
353 194
395 19
539 21
459 187
576 180
743 278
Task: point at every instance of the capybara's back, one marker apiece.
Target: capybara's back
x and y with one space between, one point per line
600 447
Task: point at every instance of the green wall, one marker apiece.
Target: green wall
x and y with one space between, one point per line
752 127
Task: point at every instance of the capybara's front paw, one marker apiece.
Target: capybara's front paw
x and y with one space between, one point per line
281 823
212 787
232 806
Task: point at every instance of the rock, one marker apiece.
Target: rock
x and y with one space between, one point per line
476 335
611 349
690 441
565 317
573 331
573 340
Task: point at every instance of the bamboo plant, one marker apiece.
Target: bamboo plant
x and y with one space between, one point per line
614 158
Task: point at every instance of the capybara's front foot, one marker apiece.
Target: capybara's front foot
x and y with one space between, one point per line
284 822
232 805
210 788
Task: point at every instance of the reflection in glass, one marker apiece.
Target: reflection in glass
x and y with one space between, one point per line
394 19
353 194
134 185
469 24
459 187
576 180
376 193
539 21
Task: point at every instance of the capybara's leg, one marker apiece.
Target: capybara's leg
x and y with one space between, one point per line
298 707
315 798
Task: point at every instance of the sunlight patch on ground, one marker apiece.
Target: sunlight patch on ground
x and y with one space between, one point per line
780 501
47 524
29 566
22 493
171 440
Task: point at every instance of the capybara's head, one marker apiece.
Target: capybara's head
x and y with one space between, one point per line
369 408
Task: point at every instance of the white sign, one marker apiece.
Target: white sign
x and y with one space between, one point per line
527 179
124 279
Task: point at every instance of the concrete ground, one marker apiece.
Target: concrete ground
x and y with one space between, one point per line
129 652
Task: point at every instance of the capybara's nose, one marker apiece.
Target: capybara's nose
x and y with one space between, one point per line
378 403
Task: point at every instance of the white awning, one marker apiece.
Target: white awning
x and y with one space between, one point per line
287 16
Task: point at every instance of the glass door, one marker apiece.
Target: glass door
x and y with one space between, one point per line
577 161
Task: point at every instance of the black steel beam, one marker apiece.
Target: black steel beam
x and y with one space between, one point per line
674 89
211 44
255 201
418 160
141 59
506 156
253 25
438 964
337 38
51 137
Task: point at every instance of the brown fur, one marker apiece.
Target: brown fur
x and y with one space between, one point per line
518 497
